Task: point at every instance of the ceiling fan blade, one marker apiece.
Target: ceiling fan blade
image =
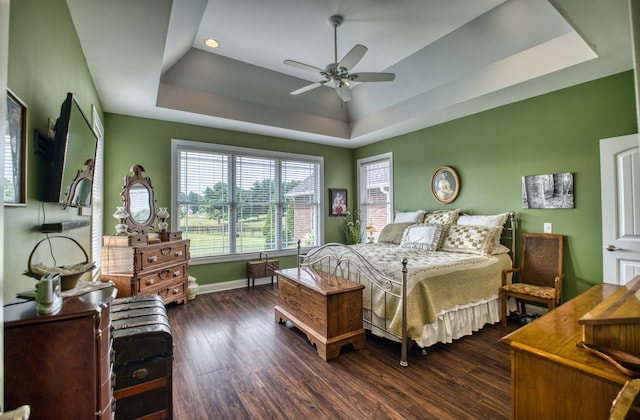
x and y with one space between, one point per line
302 66
343 91
372 77
307 88
353 57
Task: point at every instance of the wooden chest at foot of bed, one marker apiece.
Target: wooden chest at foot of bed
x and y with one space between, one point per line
327 308
143 358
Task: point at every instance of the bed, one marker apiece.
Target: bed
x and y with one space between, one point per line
434 278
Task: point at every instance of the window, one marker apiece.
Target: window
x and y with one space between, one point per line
98 188
232 200
375 190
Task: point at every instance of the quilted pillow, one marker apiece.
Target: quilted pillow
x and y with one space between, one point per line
392 233
441 217
423 236
497 220
409 216
470 239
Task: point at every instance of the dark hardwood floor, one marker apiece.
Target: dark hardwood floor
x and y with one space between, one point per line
232 360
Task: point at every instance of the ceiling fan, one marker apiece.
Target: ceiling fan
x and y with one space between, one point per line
337 73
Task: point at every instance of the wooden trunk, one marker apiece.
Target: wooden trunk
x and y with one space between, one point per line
327 308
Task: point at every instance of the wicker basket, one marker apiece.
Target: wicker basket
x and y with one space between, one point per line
69 274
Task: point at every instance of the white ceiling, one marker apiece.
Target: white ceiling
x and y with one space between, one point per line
451 59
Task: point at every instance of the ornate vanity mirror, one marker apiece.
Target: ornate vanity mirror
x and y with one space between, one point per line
139 201
79 194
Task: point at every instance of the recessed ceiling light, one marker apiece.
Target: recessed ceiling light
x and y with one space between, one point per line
211 43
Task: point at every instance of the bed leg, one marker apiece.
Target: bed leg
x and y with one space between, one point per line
424 352
404 350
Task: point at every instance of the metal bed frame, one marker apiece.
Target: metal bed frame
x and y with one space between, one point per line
341 260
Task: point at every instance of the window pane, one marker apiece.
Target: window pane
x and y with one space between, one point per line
231 201
301 192
375 203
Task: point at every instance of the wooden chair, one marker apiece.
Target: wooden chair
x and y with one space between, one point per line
539 275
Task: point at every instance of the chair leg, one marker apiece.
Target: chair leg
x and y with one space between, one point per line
504 309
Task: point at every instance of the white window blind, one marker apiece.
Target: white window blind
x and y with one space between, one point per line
375 190
97 192
234 200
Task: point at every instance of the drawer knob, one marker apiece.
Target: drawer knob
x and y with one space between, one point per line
176 273
178 254
176 291
149 282
152 258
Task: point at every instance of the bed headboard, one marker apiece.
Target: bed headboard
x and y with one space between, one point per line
510 232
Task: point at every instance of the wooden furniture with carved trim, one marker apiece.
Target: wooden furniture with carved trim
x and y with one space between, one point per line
60 364
261 268
551 377
327 308
138 267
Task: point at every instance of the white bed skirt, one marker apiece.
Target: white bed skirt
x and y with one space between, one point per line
460 321
457 322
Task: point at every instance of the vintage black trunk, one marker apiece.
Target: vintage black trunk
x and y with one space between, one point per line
143 358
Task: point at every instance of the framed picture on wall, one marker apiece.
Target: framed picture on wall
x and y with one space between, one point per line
337 201
15 153
445 184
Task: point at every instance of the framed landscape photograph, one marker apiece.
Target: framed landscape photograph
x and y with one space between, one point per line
337 201
15 154
445 184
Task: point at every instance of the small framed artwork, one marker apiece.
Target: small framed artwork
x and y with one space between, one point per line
445 184
15 153
337 201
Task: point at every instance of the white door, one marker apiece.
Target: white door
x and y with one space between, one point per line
620 184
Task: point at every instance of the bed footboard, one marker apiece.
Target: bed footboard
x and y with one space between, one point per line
341 260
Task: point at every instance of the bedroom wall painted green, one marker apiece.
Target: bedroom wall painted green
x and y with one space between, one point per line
556 132
492 150
148 142
45 62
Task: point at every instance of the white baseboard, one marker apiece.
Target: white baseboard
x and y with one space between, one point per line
233 284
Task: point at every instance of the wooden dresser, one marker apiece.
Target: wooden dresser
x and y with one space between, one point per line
139 267
551 377
327 308
60 364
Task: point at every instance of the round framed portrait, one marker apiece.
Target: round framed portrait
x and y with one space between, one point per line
445 184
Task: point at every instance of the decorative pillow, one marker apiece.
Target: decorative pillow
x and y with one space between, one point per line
409 216
478 220
423 236
441 217
392 233
470 239
500 249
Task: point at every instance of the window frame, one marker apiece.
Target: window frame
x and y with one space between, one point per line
178 145
362 194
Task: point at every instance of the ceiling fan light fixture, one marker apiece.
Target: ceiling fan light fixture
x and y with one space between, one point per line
211 43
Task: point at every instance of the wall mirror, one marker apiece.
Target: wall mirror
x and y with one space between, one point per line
139 201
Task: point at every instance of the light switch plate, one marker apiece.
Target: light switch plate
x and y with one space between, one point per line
548 228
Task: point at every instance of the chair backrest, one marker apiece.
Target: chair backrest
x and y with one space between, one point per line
541 258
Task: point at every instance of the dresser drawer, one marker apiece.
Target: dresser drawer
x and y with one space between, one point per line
145 284
154 256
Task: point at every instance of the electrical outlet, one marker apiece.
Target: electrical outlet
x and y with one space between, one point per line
548 228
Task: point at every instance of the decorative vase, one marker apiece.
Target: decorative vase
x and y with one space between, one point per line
192 288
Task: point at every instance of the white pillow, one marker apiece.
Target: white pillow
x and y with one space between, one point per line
409 216
490 220
423 236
